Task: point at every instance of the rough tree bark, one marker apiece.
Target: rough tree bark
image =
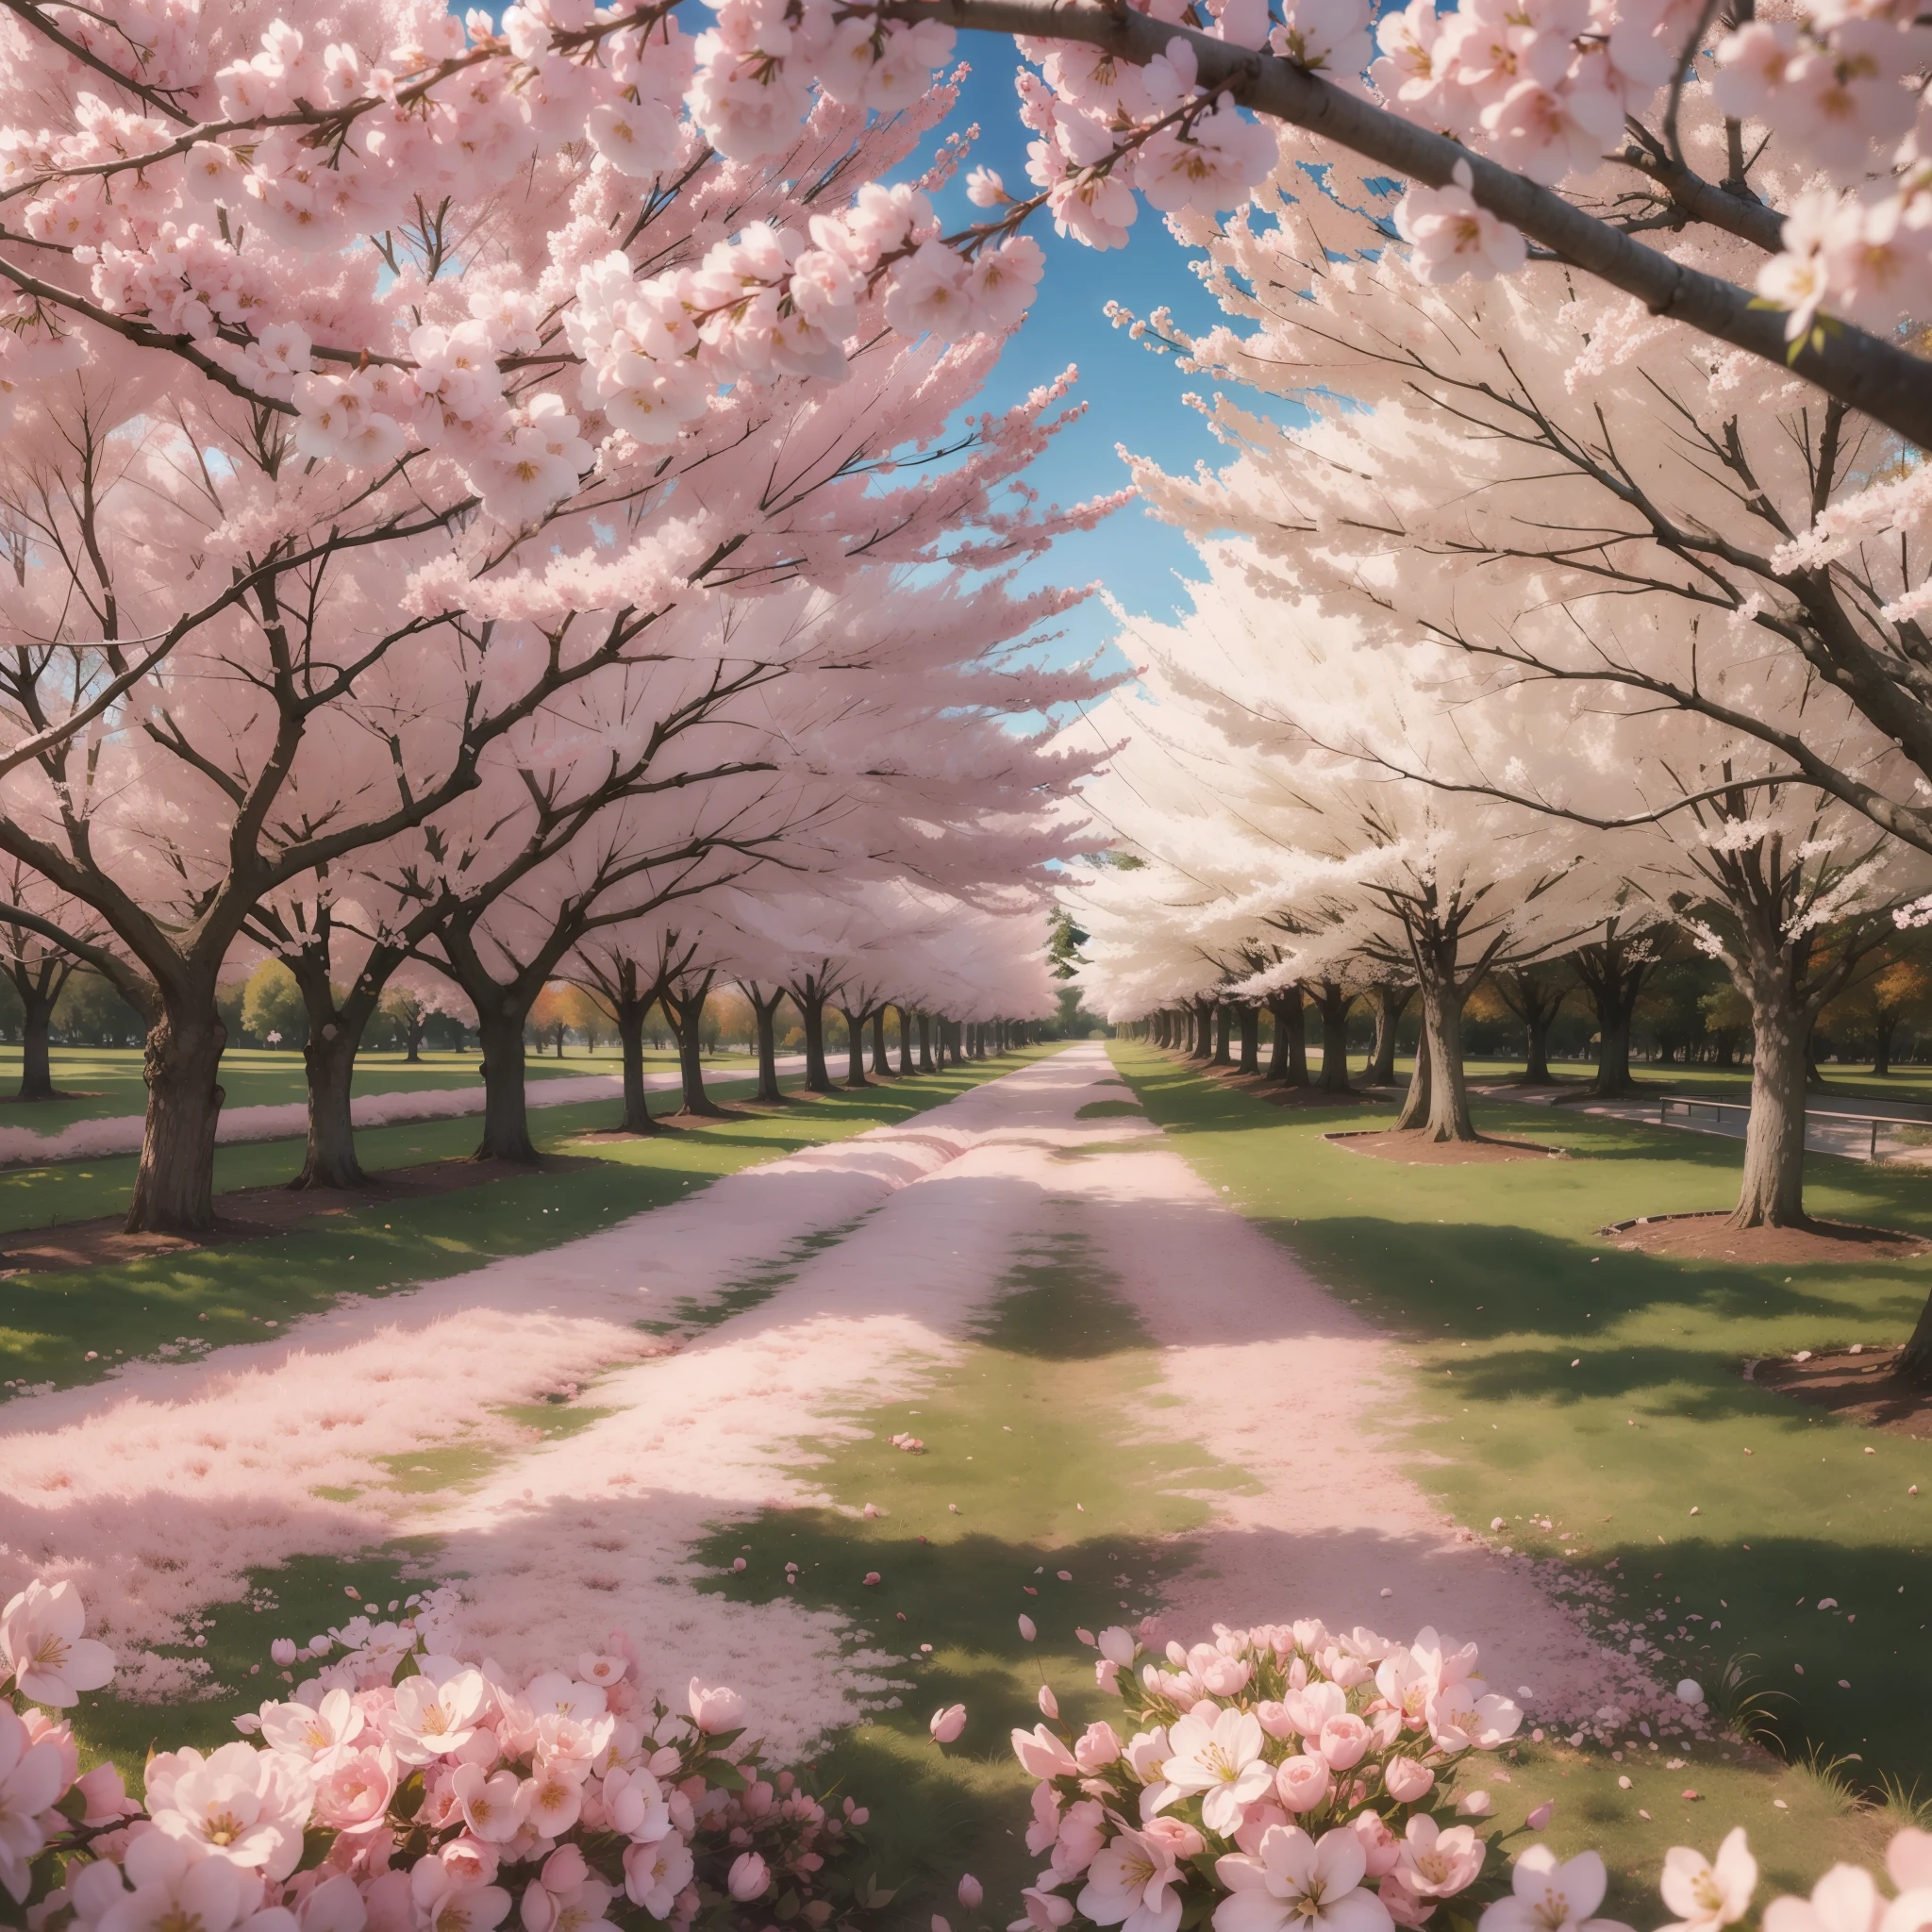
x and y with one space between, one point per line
925 1065
1224 1018
881 1055
174 1186
1448 1109
905 1042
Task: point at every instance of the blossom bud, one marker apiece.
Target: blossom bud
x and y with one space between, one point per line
541 1910
1472 1805
939 1924
948 1723
1538 1820
970 1891
1301 1783
751 1877
1407 1779
1096 1747
716 1708
1049 1704
283 1651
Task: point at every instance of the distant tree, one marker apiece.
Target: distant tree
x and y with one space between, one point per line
273 1013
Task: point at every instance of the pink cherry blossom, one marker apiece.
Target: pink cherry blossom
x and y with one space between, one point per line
42 1649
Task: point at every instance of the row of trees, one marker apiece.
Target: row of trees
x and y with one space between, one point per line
1686 1013
446 723
1491 667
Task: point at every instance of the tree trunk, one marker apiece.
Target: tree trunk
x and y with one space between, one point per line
1390 1002
1251 1039
328 1056
855 1049
1224 1015
631 1015
765 1021
811 1013
175 1184
905 1042
1415 1103
1773 1191
413 1033
36 1038
686 1013
882 1057
505 1115
1536 1071
1915 1358
1334 1003
1885 1032
1203 1046
925 1065
1448 1118
1613 1052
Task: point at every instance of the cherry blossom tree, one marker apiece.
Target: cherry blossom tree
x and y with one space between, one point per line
1257 770
40 969
1640 650
365 589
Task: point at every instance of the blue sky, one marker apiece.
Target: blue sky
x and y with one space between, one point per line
1133 398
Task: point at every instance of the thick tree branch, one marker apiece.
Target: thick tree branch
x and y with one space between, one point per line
1875 377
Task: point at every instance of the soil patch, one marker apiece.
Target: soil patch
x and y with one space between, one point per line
252 1214
1710 1238
1407 1145
1863 1388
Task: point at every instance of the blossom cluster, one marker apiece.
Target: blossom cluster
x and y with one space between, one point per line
1271 1774
402 1788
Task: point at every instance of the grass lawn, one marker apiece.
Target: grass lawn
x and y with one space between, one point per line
107 1081
1844 1086
1560 1378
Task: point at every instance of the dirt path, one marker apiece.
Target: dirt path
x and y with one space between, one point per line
781 1301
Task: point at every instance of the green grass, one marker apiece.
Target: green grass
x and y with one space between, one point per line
1559 1377
1024 1433
212 1297
1844 1086
106 1082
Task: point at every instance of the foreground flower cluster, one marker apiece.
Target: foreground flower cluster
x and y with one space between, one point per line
1285 1779
1279 1774
400 1790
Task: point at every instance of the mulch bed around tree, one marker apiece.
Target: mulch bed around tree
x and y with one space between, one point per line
1407 1146
252 1214
1711 1238
1863 1388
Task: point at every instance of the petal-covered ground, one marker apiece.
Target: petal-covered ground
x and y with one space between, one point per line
706 1356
